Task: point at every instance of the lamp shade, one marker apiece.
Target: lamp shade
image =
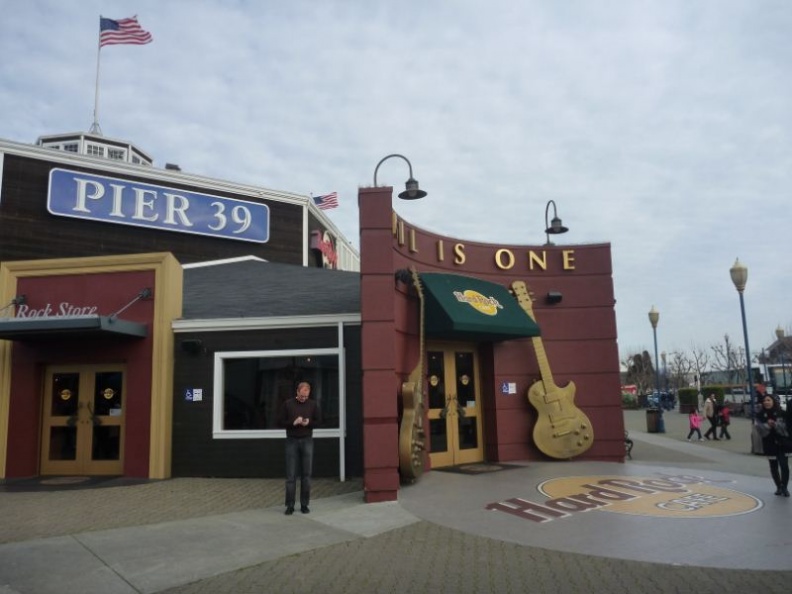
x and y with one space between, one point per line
556 227
739 275
654 316
412 191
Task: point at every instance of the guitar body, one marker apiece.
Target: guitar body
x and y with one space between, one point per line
411 434
562 430
412 438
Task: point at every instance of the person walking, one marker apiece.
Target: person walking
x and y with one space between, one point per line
772 424
710 413
724 420
694 419
299 415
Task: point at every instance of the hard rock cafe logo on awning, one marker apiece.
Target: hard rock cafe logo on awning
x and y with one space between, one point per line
666 496
486 305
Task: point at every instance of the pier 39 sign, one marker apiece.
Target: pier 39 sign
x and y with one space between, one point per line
98 198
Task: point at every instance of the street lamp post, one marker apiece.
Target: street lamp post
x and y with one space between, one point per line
782 355
665 374
739 276
654 317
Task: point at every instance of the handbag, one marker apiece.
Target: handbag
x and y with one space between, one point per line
781 428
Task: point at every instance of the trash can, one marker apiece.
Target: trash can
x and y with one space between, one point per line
652 420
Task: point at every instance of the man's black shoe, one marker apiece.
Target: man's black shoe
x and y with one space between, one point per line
304 509
289 511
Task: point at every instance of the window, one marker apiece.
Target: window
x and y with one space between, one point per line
95 150
116 154
250 387
70 147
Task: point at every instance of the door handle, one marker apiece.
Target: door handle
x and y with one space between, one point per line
94 419
448 400
452 401
74 418
460 410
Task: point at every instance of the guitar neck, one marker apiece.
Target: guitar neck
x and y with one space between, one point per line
544 365
526 303
417 375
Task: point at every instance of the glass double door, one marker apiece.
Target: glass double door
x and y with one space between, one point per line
454 405
83 420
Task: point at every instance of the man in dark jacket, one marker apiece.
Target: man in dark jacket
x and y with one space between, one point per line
299 415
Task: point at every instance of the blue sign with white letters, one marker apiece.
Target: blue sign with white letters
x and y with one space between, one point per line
110 200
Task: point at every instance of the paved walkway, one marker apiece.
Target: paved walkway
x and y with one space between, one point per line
526 528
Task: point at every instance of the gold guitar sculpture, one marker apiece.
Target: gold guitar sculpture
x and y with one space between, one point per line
411 431
562 430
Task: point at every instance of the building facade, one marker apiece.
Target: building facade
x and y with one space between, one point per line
468 379
95 249
153 321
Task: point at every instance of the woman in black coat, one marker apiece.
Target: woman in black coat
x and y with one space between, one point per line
774 429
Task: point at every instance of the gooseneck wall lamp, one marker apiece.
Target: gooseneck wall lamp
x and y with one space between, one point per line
739 276
412 191
554 227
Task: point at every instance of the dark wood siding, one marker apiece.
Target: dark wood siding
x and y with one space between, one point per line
196 453
30 232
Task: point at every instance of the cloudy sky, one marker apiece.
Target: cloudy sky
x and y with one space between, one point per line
662 127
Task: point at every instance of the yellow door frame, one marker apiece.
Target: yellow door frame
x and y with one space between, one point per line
83 421
455 455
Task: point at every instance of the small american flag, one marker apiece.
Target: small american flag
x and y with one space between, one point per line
327 201
122 31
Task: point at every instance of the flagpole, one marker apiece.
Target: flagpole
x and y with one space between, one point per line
95 129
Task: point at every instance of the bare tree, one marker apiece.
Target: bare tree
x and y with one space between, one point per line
681 368
729 358
700 360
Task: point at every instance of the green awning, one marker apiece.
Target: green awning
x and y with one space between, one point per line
464 308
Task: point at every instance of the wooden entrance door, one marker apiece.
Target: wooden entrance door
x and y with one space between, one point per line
83 420
454 405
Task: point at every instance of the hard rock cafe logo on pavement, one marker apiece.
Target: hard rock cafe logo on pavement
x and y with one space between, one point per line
666 496
486 305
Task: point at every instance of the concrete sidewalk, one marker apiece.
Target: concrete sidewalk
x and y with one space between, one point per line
155 557
216 535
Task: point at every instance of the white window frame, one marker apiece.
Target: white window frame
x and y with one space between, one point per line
95 150
218 432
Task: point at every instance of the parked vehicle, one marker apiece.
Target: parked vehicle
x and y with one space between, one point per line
738 402
664 400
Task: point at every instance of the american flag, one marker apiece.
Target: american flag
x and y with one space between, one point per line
122 31
327 201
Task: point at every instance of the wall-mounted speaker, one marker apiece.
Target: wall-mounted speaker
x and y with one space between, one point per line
553 297
194 346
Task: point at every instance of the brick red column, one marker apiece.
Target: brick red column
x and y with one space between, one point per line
378 331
